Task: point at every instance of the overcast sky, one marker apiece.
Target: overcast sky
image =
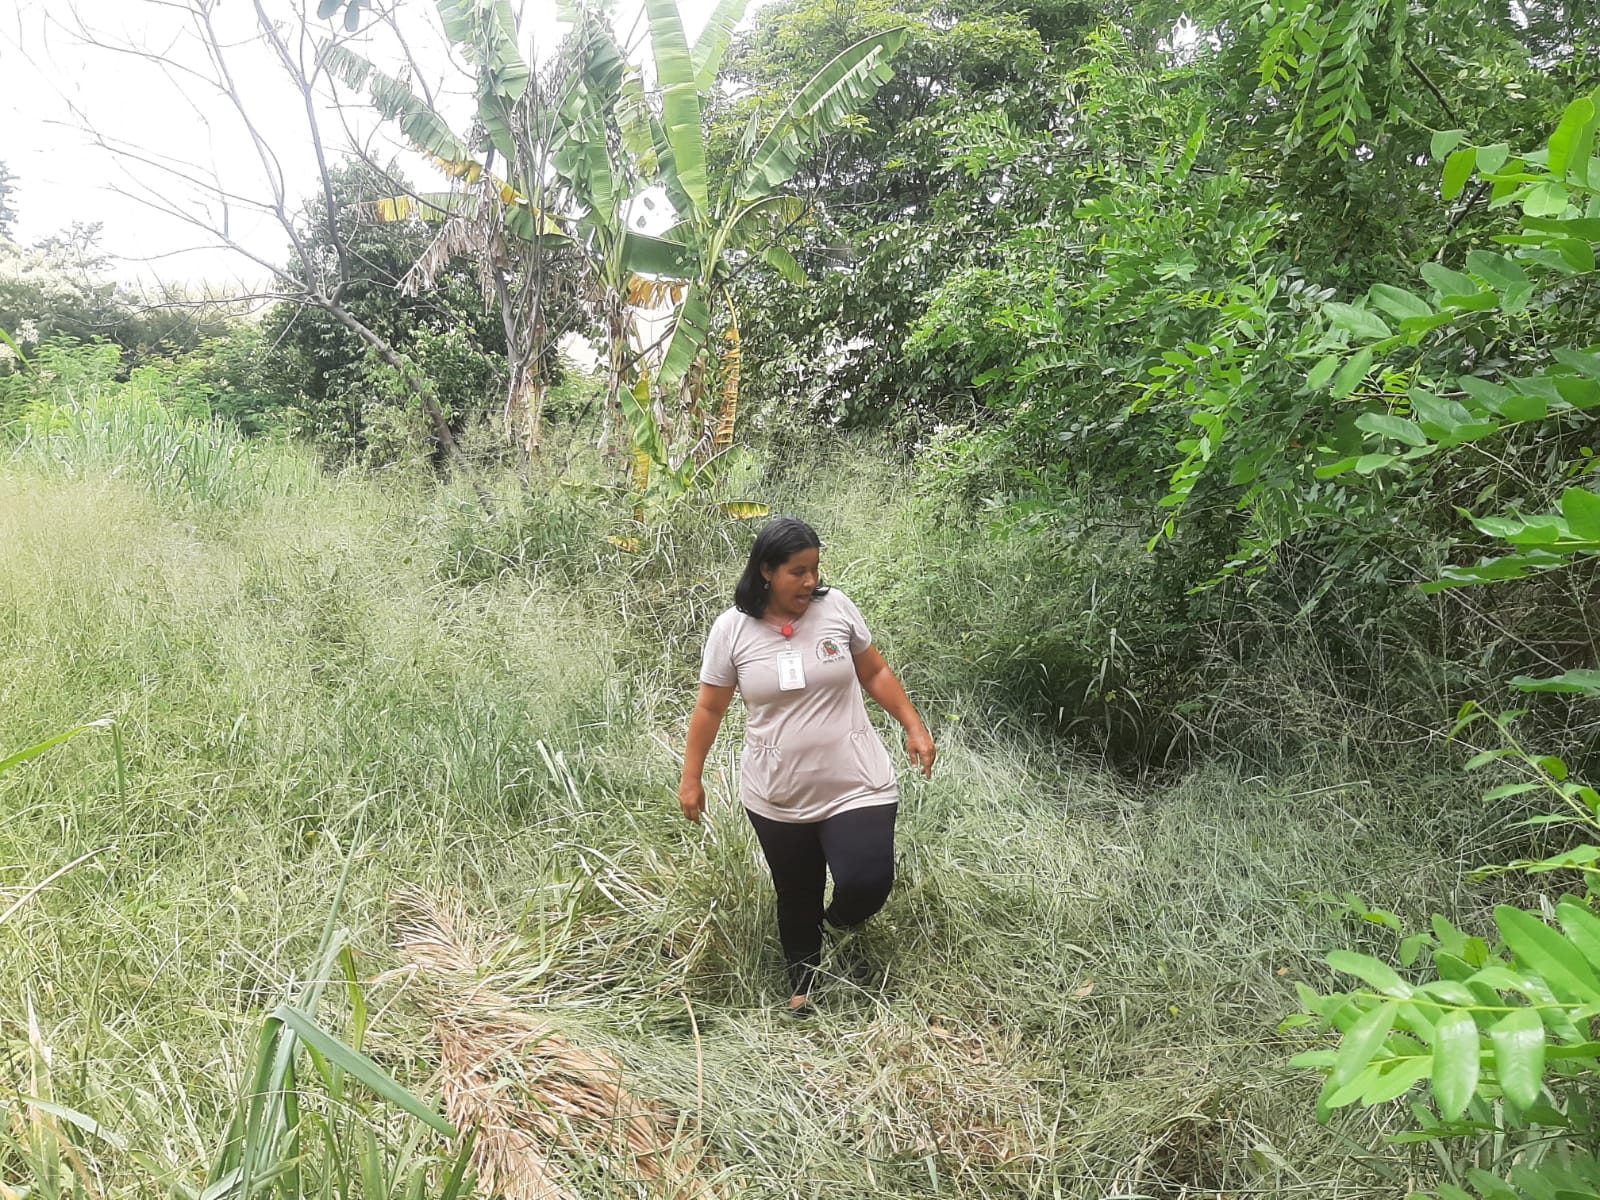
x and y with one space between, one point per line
57 83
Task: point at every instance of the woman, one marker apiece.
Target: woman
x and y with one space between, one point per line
814 777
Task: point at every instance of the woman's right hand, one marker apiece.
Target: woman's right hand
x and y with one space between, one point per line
692 799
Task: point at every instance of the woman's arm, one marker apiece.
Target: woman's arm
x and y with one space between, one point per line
703 725
884 687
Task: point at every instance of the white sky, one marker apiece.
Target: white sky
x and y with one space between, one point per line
56 84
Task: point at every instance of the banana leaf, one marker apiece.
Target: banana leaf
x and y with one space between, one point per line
485 31
834 93
714 39
396 102
643 254
691 332
680 104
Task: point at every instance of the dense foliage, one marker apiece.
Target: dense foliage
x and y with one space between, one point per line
64 286
1109 274
340 393
1223 355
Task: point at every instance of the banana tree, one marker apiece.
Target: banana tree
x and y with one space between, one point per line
498 214
581 151
656 480
747 210
571 144
602 152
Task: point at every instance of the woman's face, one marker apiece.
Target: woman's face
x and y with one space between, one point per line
793 580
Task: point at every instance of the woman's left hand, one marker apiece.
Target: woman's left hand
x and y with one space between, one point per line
921 749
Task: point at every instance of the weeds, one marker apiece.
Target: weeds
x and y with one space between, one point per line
1078 989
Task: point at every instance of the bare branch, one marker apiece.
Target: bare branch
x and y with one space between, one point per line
296 73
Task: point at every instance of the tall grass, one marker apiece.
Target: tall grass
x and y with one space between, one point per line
1076 987
70 415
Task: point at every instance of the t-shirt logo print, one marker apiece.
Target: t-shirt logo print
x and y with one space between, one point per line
829 650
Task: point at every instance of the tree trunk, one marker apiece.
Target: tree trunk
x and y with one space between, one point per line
617 349
419 387
516 414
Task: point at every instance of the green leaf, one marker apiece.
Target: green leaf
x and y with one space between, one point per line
1489 395
1447 282
1489 1187
326 8
22 756
1444 141
360 1067
680 105
691 335
1545 199
643 430
1315 1060
1545 951
1416 325
660 257
1563 142
1439 417
1191 151
1581 925
1451 991
1507 790
1476 301
1457 170
1317 378
1522 408
1398 302
396 102
713 41
1514 299
1581 394
1351 374
1455 1062
485 32
1492 158
1581 361
1334 469
1386 425
1518 1041
1498 271
1581 508
72 1117
834 93
1366 1038
1582 681
22 359
781 261
1576 254
1378 975
1360 322
1583 229
1396 1078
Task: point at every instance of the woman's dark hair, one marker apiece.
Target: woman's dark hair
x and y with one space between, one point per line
780 540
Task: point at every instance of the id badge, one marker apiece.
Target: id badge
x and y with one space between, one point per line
791 671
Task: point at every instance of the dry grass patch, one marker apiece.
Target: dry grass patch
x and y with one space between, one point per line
541 1105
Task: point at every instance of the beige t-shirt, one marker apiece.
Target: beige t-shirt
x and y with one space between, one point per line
811 752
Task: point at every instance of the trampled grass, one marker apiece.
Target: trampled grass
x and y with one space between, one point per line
1079 984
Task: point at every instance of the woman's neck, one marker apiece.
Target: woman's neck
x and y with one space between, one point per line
777 614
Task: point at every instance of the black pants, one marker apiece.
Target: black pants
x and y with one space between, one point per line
857 847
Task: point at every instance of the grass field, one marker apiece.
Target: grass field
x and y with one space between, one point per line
1081 981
